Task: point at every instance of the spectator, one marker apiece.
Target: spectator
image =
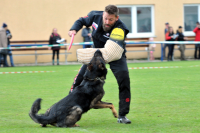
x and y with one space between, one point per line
197 38
170 37
52 41
87 36
165 45
151 48
181 37
3 44
9 36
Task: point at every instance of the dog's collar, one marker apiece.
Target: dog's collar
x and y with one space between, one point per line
95 79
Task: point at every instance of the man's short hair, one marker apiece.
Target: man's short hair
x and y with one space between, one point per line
112 9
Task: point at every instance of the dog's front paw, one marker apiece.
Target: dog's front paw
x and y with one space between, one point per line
115 115
76 125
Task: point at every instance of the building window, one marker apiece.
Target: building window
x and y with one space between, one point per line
191 16
138 19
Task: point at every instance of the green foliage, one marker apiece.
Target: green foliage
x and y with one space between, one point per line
162 100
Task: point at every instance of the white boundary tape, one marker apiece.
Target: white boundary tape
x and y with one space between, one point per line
26 72
195 66
153 67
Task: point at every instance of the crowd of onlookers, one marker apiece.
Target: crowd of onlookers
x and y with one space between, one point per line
170 35
179 36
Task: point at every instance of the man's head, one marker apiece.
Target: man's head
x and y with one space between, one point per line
198 25
167 25
180 29
5 26
110 16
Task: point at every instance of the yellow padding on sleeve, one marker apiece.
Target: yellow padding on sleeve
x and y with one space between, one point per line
117 34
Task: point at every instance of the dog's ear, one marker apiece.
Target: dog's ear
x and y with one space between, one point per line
90 67
101 66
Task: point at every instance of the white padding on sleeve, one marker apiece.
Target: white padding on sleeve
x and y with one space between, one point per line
111 52
85 55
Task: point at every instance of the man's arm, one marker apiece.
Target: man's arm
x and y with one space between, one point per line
118 36
10 35
87 21
195 30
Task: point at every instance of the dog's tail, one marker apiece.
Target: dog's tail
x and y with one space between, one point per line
41 119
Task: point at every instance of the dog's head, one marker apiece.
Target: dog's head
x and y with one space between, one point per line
96 69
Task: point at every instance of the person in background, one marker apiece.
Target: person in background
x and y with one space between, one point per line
170 37
52 40
3 44
181 37
197 38
87 36
9 36
165 45
151 48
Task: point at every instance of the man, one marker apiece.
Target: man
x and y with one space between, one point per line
165 45
181 37
9 36
108 31
3 44
197 38
87 36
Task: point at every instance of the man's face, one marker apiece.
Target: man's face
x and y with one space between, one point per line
167 26
109 21
198 25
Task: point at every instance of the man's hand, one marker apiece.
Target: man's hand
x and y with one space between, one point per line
71 32
89 34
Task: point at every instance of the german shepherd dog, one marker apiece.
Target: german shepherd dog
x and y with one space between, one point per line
87 95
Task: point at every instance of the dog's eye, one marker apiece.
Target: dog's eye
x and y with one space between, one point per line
101 66
90 66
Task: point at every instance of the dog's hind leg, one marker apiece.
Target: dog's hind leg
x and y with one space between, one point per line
101 104
71 119
75 115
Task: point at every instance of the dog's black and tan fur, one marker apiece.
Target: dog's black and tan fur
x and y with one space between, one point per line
87 95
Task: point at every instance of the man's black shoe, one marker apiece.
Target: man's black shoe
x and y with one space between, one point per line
123 119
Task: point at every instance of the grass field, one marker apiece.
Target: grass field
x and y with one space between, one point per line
163 99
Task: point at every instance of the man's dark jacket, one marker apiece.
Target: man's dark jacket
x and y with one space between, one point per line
99 36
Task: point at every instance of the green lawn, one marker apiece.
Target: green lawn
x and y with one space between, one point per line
163 100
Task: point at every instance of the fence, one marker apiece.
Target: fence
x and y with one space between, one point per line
133 43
